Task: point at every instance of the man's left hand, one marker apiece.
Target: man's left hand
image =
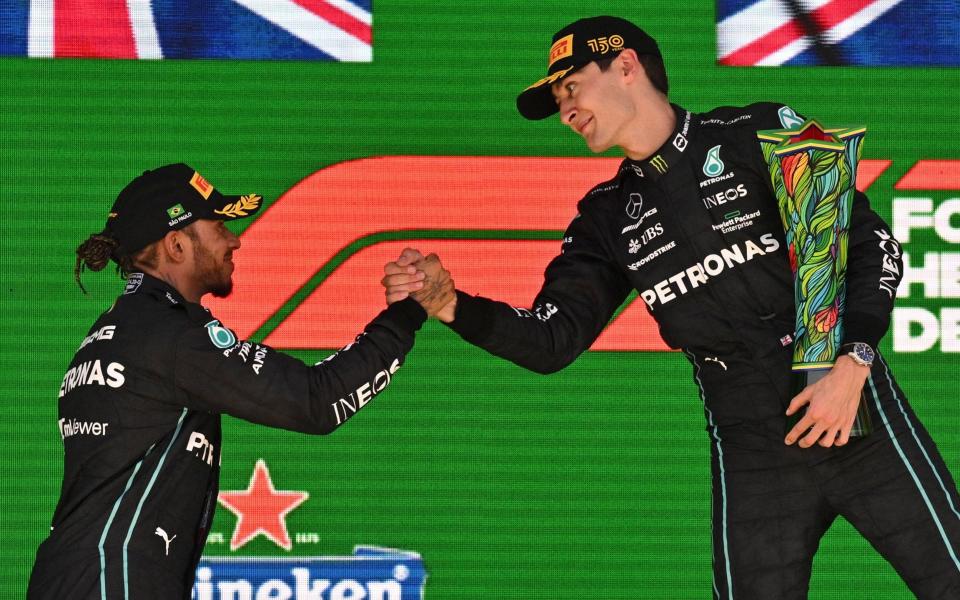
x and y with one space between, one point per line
832 404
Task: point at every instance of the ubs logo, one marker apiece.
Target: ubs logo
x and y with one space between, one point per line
634 205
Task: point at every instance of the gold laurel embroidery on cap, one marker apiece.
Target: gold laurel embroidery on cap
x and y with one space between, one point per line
240 207
111 215
550 78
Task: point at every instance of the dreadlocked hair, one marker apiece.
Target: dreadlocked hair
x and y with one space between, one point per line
94 254
98 249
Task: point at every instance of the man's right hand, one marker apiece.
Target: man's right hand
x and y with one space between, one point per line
423 278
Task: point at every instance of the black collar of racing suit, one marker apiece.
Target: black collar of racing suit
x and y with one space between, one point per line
669 153
143 283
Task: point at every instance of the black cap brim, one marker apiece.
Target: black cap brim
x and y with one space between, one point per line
537 101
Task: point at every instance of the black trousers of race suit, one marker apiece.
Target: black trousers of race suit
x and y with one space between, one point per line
773 503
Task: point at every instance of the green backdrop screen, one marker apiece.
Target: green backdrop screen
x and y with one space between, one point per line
590 483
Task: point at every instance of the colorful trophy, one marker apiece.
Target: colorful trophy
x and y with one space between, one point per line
813 172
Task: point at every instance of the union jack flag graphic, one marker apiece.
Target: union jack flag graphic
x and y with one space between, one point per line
838 32
339 30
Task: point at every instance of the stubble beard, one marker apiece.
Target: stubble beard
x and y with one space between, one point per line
216 278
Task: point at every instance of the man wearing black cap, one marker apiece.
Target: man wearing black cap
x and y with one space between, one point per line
690 221
141 401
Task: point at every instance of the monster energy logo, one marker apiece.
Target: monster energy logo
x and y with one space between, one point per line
659 164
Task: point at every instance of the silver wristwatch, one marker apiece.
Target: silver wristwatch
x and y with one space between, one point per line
861 353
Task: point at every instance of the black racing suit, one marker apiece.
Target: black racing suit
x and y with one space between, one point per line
140 412
707 255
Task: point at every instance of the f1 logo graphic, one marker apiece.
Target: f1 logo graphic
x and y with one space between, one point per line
495 222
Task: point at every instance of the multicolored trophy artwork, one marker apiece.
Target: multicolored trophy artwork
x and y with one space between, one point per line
814 171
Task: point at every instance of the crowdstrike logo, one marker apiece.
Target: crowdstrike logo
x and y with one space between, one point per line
656 253
711 266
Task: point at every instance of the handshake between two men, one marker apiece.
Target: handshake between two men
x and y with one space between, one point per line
424 279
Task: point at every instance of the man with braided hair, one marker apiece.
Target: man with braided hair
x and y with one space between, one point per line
140 404
690 221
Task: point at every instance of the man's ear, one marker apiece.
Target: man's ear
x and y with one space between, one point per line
173 246
628 64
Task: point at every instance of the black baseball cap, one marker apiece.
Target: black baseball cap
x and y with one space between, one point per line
575 46
167 199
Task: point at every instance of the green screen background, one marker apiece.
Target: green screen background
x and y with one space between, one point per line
591 483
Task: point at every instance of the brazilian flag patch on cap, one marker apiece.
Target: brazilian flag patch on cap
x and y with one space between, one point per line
175 211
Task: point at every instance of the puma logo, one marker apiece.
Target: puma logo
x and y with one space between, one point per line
166 539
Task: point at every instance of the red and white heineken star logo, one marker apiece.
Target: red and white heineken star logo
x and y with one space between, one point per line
261 509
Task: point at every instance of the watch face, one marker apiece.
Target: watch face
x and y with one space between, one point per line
864 352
